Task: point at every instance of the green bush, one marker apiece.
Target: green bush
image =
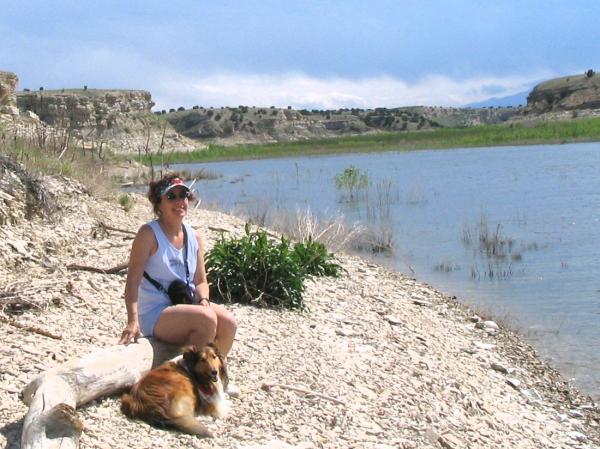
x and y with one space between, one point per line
126 201
313 257
256 270
352 179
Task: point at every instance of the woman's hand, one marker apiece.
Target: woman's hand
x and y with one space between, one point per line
130 334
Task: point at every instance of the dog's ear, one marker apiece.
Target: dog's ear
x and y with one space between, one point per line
191 355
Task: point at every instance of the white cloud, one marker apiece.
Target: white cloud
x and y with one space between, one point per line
302 91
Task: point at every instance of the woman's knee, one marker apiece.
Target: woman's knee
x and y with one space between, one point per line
206 318
230 321
226 319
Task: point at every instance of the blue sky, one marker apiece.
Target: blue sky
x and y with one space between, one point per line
313 54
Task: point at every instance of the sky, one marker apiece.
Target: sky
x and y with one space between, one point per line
325 54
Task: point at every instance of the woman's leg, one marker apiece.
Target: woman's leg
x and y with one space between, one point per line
226 327
187 324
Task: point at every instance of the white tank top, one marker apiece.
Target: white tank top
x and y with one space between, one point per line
165 266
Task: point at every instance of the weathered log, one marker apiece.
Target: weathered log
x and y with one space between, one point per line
51 421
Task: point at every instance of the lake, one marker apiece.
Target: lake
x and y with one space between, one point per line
512 231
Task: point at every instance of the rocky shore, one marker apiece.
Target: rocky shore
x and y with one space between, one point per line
379 361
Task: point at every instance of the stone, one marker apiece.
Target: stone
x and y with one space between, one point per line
10 110
532 395
515 383
500 368
487 325
394 321
577 436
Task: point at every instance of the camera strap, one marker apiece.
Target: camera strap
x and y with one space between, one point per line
157 284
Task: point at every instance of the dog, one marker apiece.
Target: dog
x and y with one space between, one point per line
175 392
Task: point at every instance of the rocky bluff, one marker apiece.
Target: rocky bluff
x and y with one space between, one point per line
8 86
84 108
568 93
255 124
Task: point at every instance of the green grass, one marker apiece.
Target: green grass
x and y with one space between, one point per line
580 130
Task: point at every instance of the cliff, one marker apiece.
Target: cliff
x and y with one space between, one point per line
8 86
568 93
122 119
84 108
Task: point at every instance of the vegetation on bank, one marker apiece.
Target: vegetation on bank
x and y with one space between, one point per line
579 130
59 154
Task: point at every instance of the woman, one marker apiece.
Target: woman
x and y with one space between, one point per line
158 251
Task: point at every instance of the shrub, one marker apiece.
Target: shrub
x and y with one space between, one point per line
126 201
589 73
256 270
352 179
313 257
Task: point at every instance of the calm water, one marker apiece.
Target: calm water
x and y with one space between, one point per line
544 200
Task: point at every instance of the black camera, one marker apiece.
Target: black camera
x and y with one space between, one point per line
180 293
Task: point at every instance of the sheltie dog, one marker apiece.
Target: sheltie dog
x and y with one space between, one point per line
175 392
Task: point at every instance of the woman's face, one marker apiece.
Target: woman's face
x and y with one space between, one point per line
174 203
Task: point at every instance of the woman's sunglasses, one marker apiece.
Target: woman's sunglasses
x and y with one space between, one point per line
172 196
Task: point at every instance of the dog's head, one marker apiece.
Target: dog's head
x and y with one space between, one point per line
206 363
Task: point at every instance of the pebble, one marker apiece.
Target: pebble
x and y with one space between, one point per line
394 321
500 368
515 383
577 436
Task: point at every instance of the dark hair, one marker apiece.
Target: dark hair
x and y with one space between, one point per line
156 187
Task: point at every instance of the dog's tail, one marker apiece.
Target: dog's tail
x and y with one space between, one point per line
130 406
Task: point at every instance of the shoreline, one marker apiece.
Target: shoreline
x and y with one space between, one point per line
410 366
583 130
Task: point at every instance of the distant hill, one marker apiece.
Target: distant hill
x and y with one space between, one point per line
519 99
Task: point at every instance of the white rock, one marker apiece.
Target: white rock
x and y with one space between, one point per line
10 110
515 383
394 321
577 436
487 325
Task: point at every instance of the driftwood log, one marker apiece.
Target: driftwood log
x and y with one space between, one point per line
53 396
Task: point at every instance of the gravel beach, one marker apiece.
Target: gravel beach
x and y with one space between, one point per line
378 361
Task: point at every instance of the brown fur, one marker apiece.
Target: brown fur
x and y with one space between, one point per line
173 393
